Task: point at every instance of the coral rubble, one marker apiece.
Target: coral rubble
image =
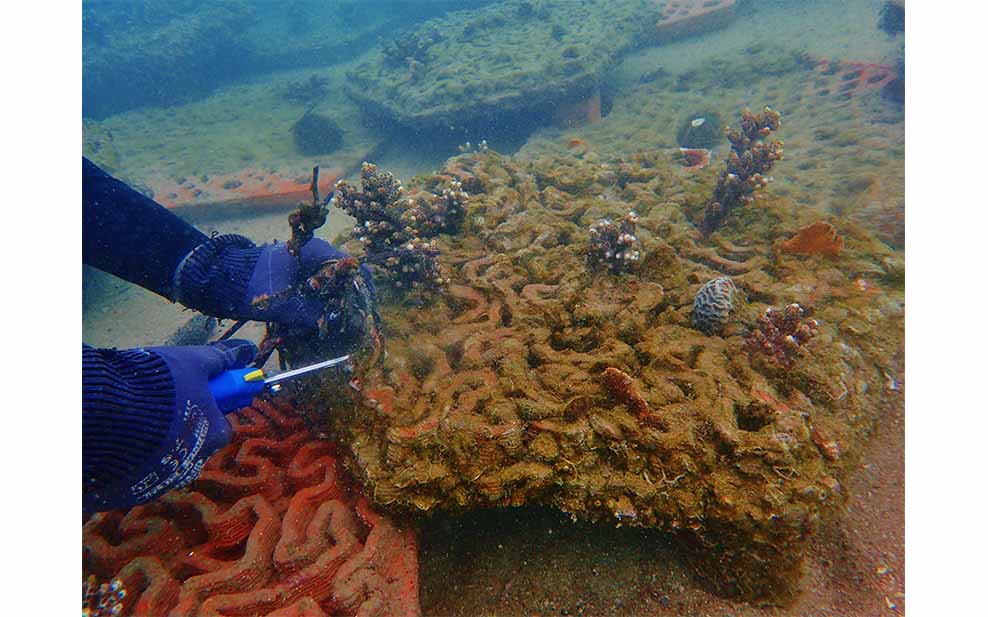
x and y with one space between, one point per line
713 305
270 528
752 155
760 61
780 334
397 230
615 246
533 382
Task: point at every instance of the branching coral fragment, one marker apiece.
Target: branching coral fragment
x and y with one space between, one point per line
308 218
779 335
752 155
615 246
398 231
348 316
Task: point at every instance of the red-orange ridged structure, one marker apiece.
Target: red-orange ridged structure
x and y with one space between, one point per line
270 528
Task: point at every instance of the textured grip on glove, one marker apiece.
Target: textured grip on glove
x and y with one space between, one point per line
229 277
213 278
128 398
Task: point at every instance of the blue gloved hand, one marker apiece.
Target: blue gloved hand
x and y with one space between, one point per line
229 277
149 421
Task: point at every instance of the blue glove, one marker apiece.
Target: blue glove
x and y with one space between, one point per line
149 421
229 277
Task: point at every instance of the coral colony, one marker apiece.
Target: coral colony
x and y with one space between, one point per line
615 245
752 156
397 231
779 334
713 305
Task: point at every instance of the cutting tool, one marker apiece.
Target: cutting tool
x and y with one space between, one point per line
236 388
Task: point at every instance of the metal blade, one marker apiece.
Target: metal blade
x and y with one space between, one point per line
305 369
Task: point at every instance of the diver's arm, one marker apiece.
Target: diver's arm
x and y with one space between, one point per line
149 420
137 239
131 236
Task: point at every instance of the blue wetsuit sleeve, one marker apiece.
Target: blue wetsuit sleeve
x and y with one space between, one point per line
130 235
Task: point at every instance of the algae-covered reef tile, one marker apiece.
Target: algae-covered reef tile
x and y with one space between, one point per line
163 52
541 380
471 67
316 33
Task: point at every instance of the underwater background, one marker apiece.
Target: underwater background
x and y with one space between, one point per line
554 116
